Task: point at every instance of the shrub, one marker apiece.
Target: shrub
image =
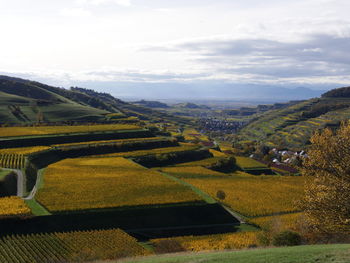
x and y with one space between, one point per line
221 195
168 246
263 238
287 238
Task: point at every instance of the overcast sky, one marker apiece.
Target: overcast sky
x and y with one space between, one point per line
274 42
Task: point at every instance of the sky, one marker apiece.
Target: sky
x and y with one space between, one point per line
106 44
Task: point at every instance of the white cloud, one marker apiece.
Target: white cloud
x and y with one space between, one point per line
100 2
75 12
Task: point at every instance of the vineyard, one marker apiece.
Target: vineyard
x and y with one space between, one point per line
46 130
106 183
69 247
165 150
111 183
282 222
24 150
191 171
237 240
204 162
12 206
12 161
254 195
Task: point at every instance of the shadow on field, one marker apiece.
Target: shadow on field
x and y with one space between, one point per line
143 223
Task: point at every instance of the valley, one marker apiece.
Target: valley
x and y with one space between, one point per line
85 176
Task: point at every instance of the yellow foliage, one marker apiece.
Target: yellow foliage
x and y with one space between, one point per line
107 141
217 153
101 244
24 150
151 151
89 183
191 171
192 134
327 195
204 162
78 246
13 205
284 222
246 162
254 195
237 240
12 161
43 130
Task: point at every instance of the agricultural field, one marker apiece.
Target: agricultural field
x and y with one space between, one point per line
69 247
291 127
193 135
108 141
164 150
190 171
90 183
204 162
248 163
252 166
238 240
254 195
13 206
12 161
279 222
217 153
46 130
24 150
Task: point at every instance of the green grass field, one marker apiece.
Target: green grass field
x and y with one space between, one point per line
3 173
300 254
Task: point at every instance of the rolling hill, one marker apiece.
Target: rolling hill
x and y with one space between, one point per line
292 127
26 102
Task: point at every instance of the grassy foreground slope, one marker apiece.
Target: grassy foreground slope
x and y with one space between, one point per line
300 254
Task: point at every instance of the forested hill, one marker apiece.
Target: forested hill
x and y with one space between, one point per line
27 102
338 93
292 127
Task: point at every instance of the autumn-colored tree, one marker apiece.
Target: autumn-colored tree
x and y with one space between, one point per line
327 189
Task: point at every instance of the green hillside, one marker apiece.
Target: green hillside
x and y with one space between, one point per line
304 254
27 102
292 127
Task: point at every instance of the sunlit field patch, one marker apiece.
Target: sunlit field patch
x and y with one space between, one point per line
89 183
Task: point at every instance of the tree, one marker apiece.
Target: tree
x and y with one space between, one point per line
327 190
221 195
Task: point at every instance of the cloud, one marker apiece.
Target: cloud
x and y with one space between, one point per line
75 12
101 2
319 55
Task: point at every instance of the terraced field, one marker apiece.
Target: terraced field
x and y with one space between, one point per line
191 171
237 240
254 195
69 247
292 221
165 150
252 166
111 183
13 206
292 127
90 183
46 130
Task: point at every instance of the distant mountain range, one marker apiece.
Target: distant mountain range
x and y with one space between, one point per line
204 90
